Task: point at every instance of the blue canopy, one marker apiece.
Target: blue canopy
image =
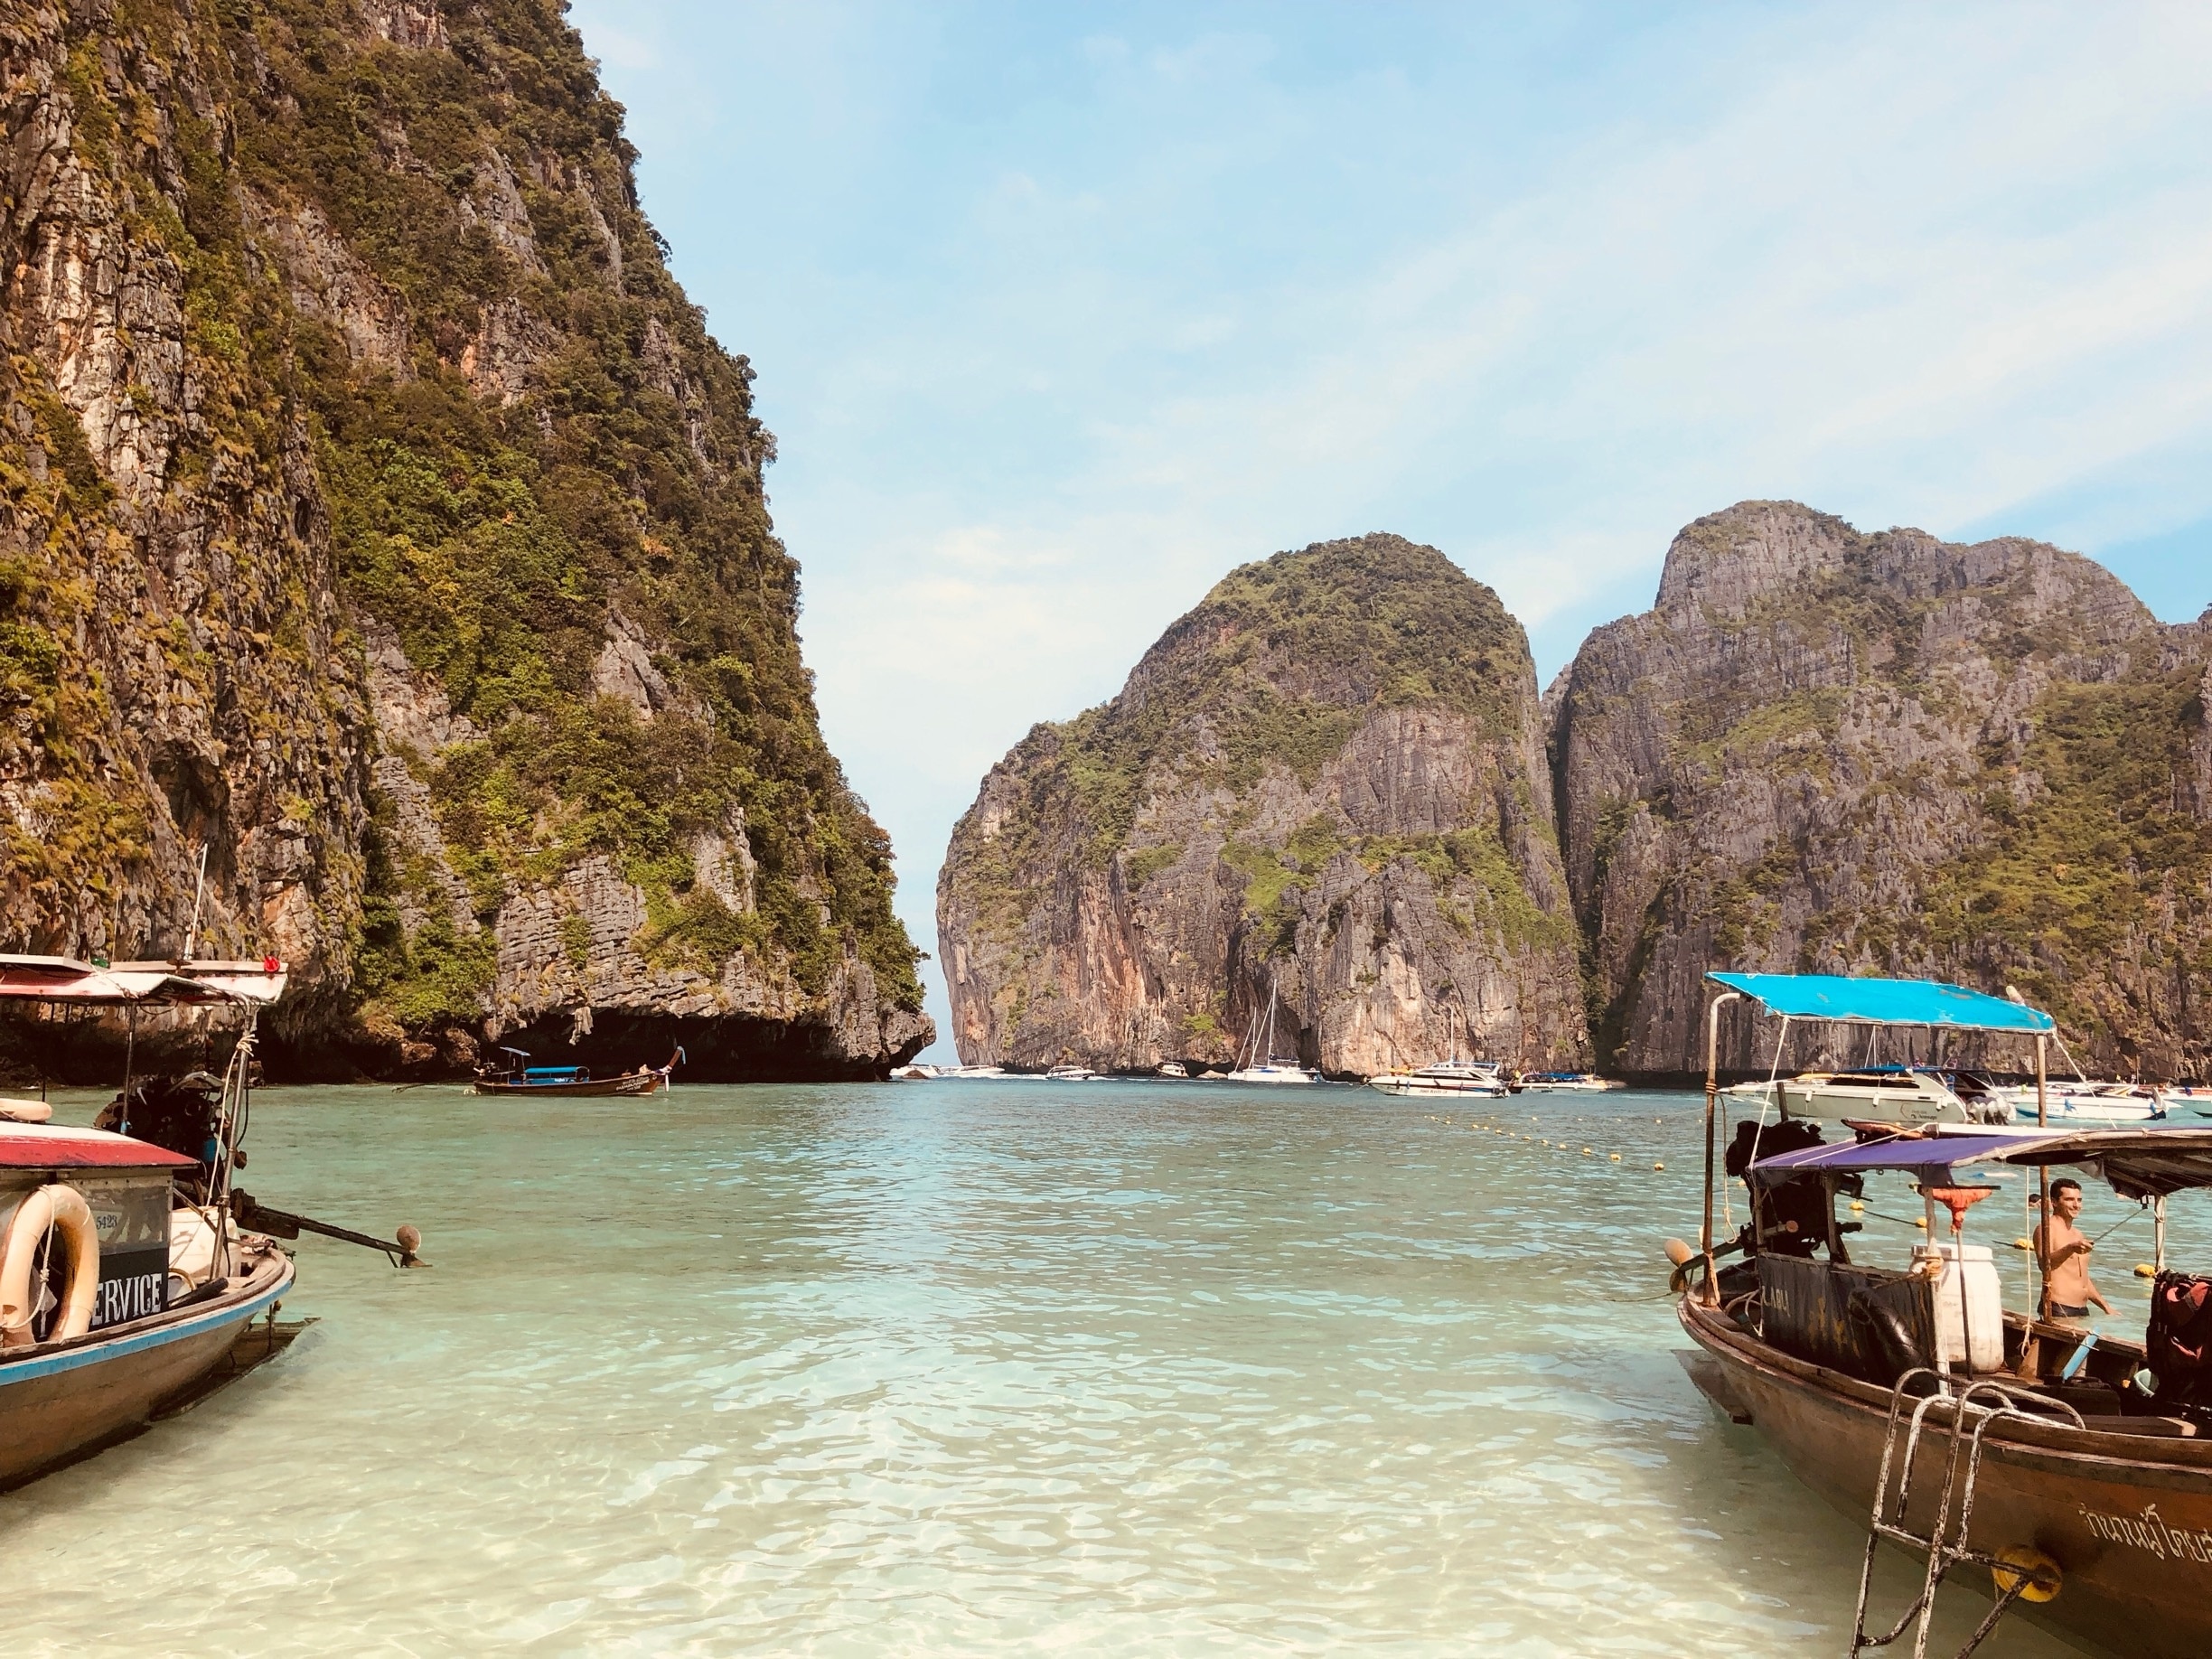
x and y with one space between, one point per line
1885 1002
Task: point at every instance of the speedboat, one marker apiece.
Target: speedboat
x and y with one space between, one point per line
1450 1076
2080 1102
1480 1078
1566 1083
2068 1471
1173 1068
1896 1094
1070 1074
974 1071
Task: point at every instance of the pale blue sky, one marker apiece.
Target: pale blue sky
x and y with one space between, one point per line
1060 311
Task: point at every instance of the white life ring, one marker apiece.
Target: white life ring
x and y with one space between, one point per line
59 1209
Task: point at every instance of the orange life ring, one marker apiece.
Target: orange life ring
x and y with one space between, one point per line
54 1208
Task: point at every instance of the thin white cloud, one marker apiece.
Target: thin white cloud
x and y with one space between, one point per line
1078 322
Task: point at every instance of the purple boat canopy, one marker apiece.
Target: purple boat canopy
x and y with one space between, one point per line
1886 1002
2139 1163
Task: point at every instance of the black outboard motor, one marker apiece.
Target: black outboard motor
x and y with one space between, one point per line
180 1114
1793 1215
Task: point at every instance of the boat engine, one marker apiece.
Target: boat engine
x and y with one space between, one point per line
181 1115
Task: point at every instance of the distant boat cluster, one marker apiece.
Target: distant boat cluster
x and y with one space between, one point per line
1450 1077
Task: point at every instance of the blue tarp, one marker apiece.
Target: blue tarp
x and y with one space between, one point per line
1885 1002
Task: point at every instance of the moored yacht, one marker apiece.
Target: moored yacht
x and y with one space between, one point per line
2079 1101
1259 1063
1450 1076
1480 1078
1894 1094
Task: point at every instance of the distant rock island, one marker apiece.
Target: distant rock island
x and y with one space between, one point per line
1329 779
1819 752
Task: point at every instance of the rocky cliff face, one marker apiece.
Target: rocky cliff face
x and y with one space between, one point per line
1830 752
378 519
1329 779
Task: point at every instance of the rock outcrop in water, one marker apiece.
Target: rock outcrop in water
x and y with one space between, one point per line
1329 778
1830 752
379 519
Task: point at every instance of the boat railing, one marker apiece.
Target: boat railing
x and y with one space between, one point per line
2015 1572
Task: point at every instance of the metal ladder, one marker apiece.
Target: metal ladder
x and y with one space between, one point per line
1986 1402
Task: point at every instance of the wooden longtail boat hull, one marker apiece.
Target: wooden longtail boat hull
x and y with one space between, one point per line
633 1085
58 1405
2128 1517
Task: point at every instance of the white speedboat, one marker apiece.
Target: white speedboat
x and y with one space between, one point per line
1566 1083
2081 1104
1173 1068
1459 1078
974 1071
1070 1074
1893 1094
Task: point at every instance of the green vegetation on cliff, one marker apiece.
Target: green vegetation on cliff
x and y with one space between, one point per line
546 450
1280 662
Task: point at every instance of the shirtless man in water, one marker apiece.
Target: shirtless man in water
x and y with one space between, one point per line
2066 1255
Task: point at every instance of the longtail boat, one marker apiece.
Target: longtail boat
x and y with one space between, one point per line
124 1283
2060 1472
521 1077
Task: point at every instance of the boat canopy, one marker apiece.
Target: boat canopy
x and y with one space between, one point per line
24 1147
1885 1002
2138 1163
176 984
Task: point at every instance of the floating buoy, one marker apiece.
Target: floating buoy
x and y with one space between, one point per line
1857 1204
2017 1561
1617 1157
1658 1166
1585 1151
2022 1244
1920 1222
2143 1269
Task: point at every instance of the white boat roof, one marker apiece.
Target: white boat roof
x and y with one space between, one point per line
63 979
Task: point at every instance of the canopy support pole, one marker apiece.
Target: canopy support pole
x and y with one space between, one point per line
1712 1107
2157 1234
2042 1231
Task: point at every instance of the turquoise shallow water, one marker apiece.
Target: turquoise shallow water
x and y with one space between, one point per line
953 1367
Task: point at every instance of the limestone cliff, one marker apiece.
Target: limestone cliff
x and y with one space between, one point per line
378 519
1329 777
1823 751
